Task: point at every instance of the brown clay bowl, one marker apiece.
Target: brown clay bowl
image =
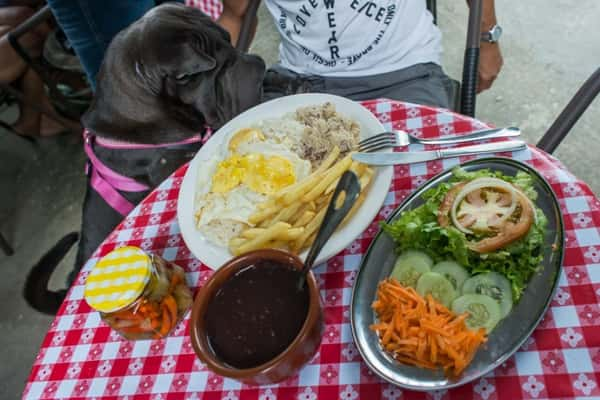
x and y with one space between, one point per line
287 363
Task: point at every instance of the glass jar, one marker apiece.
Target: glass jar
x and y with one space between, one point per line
139 295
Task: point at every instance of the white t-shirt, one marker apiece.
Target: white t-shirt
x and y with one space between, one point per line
354 37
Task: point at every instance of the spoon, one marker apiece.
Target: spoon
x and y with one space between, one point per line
345 195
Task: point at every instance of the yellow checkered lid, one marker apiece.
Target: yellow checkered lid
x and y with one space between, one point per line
118 279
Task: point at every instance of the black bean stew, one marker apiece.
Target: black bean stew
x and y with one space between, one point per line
256 314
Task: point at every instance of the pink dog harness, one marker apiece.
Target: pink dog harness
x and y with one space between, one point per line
107 182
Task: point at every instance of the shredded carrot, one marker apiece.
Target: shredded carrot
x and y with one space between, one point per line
421 331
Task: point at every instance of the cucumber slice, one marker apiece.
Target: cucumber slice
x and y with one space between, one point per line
452 271
494 285
409 267
437 286
484 312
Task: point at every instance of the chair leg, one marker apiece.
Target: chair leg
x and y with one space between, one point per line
432 7
245 37
468 96
5 246
38 107
570 115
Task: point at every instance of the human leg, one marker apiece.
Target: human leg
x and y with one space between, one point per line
90 25
31 121
12 66
425 84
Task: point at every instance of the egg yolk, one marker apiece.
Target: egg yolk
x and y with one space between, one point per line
262 174
244 135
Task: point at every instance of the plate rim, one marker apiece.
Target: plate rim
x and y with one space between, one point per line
385 174
507 160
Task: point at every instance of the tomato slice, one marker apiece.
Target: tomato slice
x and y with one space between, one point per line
484 210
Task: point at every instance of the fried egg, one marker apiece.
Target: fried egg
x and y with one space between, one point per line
250 167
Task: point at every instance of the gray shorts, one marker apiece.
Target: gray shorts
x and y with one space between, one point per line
425 84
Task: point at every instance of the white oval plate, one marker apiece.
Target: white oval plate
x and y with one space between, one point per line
214 256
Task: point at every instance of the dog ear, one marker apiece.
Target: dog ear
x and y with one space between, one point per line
128 104
146 89
192 66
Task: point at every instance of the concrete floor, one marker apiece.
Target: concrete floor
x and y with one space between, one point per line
549 48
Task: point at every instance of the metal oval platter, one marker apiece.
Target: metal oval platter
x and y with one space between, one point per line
510 333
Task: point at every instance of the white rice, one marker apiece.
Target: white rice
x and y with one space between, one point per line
285 130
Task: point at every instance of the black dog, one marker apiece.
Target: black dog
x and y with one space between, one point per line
163 80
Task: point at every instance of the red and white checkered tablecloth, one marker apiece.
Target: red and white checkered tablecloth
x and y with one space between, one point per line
81 358
212 8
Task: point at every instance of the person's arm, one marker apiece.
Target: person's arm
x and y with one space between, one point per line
490 56
231 18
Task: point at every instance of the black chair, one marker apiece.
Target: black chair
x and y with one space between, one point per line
464 94
69 102
571 114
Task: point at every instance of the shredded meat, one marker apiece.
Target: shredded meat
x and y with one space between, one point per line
325 128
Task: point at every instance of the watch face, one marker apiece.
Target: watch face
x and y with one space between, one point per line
495 33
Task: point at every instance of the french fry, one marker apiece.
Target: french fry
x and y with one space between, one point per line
294 192
258 242
332 187
331 175
309 241
364 180
251 233
290 219
311 227
260 216
323 201
356 167
304 219
236 242
290 234
359 201
278 244
311 206
327 162
270 202
283 215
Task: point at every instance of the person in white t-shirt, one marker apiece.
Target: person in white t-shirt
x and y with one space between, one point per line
364 49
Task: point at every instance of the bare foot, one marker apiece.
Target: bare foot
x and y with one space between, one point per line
26 128
47 127
50 127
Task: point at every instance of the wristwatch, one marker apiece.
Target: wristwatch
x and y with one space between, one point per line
493 35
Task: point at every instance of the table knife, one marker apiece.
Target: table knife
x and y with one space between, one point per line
411 157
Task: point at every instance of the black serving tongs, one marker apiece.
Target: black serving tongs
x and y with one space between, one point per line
344 197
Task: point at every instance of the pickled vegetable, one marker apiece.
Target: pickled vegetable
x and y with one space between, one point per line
162 305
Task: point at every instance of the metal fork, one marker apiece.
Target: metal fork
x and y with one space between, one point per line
401 138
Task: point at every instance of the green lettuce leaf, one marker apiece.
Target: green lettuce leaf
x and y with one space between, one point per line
418 229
